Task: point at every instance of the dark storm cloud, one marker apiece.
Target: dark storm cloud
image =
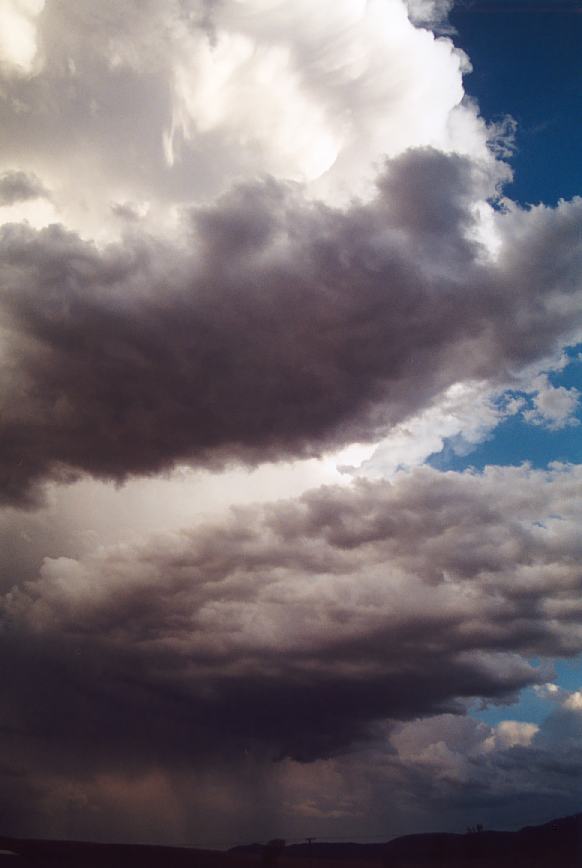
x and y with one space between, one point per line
18 186
294 628
279 328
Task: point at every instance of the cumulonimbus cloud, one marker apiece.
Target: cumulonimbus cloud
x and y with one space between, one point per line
240 304
278 327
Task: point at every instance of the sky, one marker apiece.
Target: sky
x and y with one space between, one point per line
290 464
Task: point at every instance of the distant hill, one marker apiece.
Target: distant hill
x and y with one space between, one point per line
557 844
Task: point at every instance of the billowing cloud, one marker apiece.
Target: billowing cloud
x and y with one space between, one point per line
297 628
172 104
347 605
447 760
180 342
279 327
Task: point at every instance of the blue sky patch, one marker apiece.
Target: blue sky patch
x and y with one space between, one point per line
523 437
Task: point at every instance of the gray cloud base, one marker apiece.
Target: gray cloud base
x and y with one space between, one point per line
295 629
278 328
298 625
16 186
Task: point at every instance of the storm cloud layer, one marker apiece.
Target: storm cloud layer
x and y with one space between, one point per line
347 606
279 327
296 629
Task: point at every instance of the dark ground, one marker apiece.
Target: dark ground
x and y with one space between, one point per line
557 844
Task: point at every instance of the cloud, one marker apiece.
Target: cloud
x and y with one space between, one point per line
125 360
19 187
174 104
19 38
298 245
383 329
574 701
313 88
553 406
303 629
464 414
314 617
493 768
449 771
429 12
